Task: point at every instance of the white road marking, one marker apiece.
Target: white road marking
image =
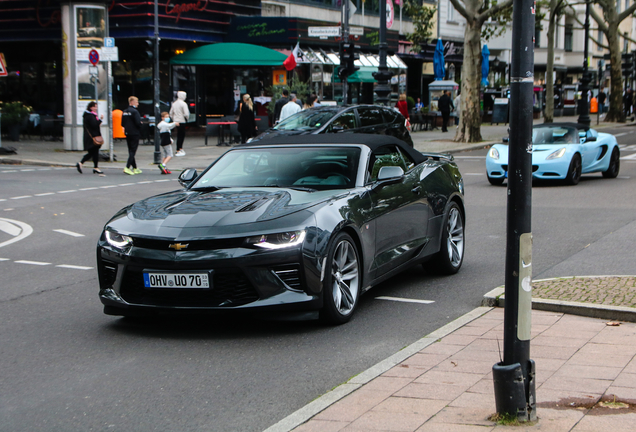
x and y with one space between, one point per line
624 177
126 184
71 233
90 188
24 170
470 157
25 231
623 134
144 182
475 174
630 157
68 266
398 299
38 263
21 197
9 171
67 191
161 181
4 259
45 194
108 187
2 199
9 228
44 169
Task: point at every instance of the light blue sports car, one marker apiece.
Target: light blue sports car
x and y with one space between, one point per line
561 151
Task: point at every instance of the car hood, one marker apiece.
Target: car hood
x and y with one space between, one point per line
221 209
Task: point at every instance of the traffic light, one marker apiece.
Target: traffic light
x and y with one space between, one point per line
349 53
627 64
149 48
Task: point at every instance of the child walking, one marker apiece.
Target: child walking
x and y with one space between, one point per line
164 127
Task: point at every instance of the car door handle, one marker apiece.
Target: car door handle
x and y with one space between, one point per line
417 190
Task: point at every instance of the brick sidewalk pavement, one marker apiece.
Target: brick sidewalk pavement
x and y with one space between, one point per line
610 290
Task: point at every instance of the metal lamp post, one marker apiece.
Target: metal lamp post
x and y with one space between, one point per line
383 75
155 99
584 106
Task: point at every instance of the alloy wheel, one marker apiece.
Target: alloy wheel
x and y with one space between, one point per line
455 238
345 277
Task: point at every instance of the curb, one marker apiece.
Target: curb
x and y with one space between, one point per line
305 413
497 298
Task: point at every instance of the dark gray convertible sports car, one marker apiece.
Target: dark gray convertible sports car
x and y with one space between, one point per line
292 223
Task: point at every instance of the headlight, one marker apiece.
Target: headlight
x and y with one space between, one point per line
557 154
277 241
120 242
493 153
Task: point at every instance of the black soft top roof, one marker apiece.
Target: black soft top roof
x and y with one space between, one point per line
370 140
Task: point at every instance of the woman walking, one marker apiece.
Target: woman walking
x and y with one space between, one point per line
247 119
91 130
402 105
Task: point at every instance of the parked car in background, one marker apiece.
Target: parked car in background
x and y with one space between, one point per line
367 119
288 224
561 151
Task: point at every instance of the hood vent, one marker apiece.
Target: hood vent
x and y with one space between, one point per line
253 205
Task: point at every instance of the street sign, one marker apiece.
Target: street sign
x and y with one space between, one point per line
110 54
323 31
3 66
93 70
356 31
389 14
93 57
109 42
352 9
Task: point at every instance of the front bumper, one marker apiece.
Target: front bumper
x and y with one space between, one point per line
240 280
556 169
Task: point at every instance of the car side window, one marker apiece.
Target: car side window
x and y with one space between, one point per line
408 160
384 156
346 120
389 115
370 116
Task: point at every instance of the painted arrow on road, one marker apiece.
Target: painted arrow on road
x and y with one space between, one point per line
18 230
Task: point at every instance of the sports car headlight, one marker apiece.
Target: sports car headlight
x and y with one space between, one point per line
278 240
118 241
556 154
493 153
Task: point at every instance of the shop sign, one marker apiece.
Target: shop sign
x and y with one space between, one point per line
178 9
259 30
279 77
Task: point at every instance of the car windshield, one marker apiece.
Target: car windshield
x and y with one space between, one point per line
309 119
302 167
555 135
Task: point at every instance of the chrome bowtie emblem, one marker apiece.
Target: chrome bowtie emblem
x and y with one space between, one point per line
178 246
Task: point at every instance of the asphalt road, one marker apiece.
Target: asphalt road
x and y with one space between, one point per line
68 367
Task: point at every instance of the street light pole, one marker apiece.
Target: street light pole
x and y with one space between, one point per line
383 75
514 377
155 99
584 105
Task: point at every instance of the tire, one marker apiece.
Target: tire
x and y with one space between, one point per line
615 164
574 171
450 257
342 283
495 181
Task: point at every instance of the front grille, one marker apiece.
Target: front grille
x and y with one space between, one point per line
229 288
290 274
162 244
109 272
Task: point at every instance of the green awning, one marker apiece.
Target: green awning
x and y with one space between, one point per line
363 75
230 54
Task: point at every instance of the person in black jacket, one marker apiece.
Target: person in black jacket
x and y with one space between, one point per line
91 129
445 105
247 122
131 122
280 103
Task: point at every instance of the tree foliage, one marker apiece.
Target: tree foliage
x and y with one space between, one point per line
423 21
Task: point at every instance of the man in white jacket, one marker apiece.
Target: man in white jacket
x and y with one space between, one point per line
290 108
179 113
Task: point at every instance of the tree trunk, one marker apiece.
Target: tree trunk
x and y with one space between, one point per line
548 115
469 129
615 113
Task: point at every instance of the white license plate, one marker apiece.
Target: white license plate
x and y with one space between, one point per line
176 280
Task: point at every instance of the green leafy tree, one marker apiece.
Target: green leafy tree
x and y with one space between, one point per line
296 86
476 13
423 18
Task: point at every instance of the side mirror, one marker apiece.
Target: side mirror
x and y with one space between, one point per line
590 139
505 140
390 173
187 176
